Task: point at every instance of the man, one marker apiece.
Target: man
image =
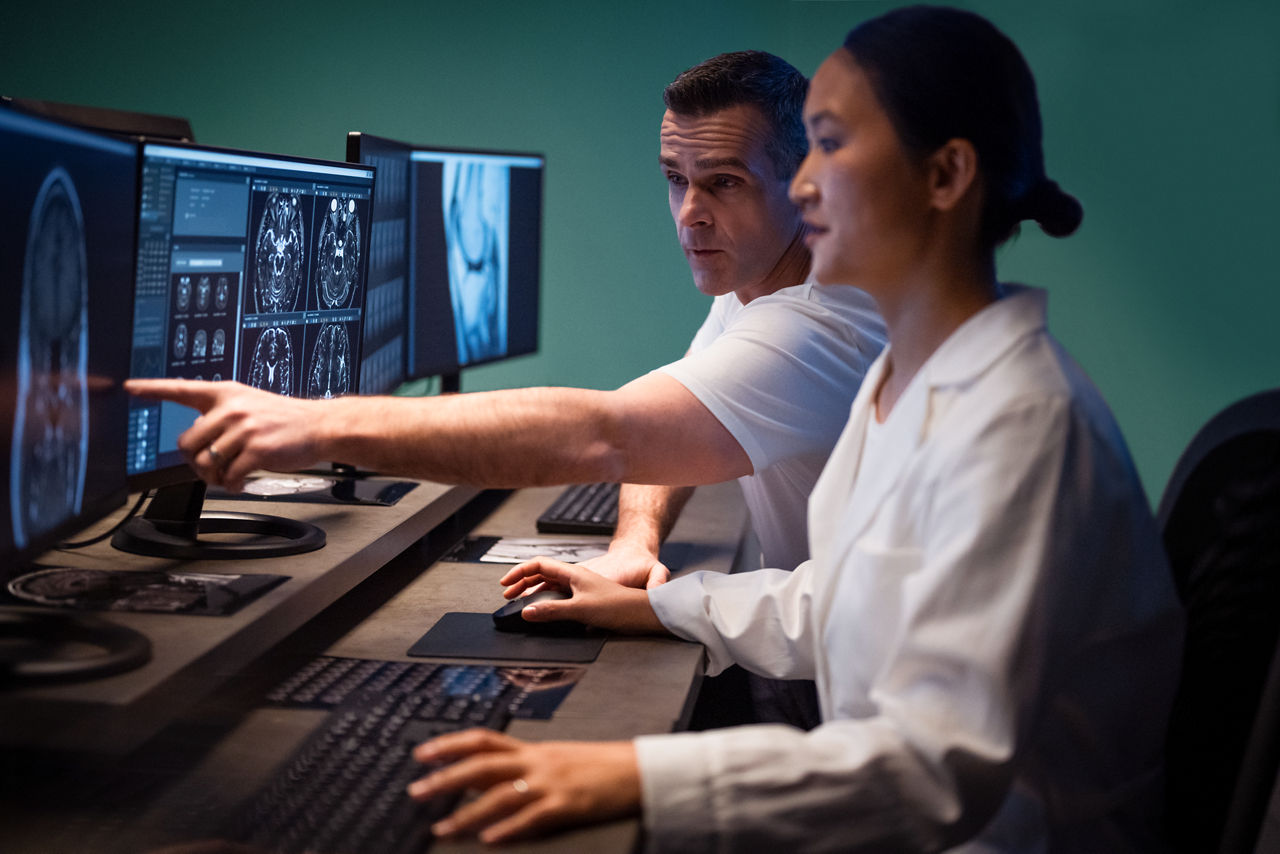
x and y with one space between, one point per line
762 395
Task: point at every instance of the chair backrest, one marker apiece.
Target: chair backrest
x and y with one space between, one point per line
1220 517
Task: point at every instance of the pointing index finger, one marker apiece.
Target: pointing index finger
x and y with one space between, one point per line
194 393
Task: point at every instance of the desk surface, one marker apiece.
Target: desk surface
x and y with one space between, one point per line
209 748
193 655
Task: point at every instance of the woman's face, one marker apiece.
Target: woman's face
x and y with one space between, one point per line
864 199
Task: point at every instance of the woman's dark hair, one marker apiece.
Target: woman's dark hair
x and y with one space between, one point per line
943 74
767 82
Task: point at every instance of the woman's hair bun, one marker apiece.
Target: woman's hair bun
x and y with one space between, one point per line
1058 213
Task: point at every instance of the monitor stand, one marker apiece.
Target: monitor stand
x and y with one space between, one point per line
451 383
347 470
42 646
174 523
341 483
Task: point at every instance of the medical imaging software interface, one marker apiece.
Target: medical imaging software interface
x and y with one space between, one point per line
252 268
66 236
382 366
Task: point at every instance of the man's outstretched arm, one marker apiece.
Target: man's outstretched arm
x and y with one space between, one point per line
652 430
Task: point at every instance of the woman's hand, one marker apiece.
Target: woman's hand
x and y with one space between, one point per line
526 788
596 600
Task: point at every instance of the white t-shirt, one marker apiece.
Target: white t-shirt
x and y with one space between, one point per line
780 374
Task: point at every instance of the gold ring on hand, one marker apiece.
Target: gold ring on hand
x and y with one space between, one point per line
215 456
520 785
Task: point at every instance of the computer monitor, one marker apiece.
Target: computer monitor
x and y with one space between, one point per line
66 259
469 228
251 267
123 122
386 331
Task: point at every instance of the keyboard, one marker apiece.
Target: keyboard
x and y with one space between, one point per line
585 508
343 790
329 681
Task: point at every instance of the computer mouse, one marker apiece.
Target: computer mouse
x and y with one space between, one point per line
508 618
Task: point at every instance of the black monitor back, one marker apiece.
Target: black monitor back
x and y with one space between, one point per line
124 122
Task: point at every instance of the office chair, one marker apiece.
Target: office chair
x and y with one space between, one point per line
1220 519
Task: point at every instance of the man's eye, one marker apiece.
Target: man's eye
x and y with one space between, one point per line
828 145
673 178
727 181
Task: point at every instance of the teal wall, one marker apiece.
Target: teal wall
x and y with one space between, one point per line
1162 115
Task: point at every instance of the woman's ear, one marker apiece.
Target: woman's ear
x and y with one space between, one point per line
953 172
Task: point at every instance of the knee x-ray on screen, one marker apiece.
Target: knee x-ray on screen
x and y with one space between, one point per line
475 211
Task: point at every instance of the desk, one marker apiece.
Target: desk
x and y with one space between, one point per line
177 744
193 656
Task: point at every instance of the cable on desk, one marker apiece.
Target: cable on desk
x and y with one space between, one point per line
133 511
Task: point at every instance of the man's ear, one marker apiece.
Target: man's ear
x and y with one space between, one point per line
953 172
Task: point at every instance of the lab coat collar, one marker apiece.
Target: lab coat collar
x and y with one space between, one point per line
873 477
969 351
982 339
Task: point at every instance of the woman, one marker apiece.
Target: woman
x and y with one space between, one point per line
987 613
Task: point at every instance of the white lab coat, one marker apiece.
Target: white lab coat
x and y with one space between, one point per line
988 615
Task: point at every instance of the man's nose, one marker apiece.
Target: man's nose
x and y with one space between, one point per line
694 210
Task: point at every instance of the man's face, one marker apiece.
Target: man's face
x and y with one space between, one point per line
731 210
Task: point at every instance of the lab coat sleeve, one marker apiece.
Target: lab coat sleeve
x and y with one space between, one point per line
920 758
760 619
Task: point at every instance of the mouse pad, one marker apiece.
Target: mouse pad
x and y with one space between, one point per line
463 635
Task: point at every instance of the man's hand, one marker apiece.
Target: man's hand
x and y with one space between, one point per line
527 789
241 429
596 600
630 565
